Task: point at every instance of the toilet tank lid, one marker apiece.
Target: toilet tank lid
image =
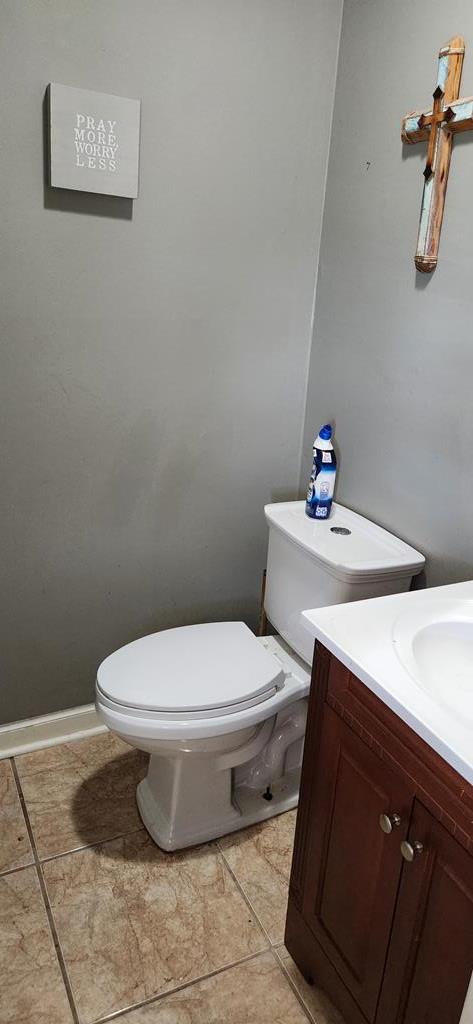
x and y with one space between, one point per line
202 667
347 545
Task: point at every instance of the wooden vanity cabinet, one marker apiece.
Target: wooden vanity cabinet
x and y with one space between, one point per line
389 938
431 948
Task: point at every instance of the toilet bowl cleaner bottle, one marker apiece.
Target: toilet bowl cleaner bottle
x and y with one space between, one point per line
322 478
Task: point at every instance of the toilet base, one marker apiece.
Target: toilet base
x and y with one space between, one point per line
206 815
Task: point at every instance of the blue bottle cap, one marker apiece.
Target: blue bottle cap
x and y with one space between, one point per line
325 432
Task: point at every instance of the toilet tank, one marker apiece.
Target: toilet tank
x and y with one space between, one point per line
315 563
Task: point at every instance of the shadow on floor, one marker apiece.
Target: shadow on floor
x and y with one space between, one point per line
104 806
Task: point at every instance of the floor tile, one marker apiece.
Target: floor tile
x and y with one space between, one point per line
255 992
15 849
82 792
31 988
260 858
134 922
319 1006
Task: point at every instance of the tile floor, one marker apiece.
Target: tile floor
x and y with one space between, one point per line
96 923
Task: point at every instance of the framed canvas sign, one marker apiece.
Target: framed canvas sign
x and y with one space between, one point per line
94 141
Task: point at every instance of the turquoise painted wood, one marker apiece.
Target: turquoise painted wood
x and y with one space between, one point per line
448 115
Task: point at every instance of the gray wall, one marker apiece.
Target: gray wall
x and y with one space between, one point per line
392 356
154 358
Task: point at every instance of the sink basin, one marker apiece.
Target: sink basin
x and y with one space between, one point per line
435 644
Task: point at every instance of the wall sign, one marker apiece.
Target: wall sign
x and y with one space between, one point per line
94 141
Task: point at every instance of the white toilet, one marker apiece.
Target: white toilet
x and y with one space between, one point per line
223 712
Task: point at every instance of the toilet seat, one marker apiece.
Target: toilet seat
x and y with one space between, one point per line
135 725
141 726
208 670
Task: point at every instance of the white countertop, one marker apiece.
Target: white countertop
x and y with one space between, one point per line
360 635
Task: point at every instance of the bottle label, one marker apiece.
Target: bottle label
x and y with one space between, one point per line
321 484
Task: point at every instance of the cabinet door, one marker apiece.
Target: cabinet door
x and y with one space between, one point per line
353 867
431 953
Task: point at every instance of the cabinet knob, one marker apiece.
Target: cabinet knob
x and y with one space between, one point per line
389 821
411 850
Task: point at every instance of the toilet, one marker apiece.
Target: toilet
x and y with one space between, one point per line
222 712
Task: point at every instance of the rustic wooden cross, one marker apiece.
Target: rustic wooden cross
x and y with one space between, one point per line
448 115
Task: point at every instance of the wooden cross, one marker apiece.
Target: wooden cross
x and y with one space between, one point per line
448 115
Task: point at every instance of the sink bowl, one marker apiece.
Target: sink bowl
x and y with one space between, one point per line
435 645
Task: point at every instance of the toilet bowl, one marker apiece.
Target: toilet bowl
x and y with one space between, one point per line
222 712
205 701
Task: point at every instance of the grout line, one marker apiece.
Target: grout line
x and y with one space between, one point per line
44 893
243 893
90 846
180 988
14 871
274 946
292 984
20 867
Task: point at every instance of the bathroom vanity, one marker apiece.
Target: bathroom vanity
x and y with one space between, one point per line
381 895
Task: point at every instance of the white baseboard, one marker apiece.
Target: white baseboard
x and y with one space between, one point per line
49 730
